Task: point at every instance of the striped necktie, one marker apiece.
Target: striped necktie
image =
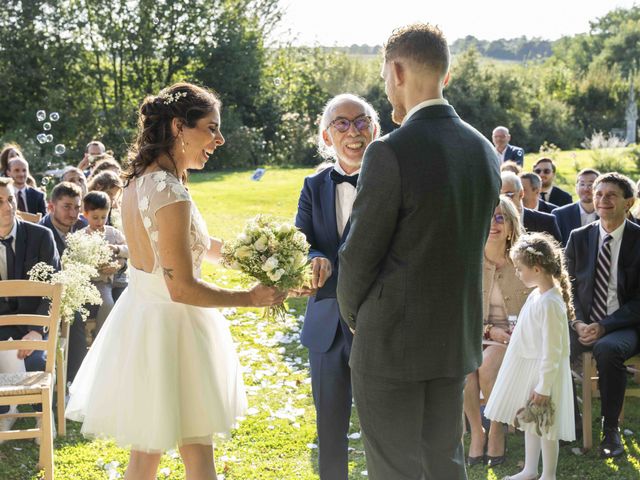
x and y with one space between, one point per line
601 284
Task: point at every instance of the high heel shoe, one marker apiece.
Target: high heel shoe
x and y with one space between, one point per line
500 459
481 459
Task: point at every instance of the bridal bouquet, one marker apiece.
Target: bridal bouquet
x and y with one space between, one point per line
85 253
272 252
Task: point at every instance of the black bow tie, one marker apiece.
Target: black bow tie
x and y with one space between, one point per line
338 178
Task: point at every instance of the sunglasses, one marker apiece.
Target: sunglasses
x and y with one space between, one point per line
498 218
546 171
343 125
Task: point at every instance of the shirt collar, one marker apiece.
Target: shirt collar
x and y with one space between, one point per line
13 231
340 170
616 234
421 105
583 211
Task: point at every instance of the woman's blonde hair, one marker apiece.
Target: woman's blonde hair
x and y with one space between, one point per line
512 218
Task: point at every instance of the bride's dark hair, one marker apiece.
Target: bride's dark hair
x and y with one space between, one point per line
182 100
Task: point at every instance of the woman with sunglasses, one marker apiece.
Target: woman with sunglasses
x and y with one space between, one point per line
503 297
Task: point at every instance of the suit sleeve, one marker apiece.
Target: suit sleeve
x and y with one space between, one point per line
570 257
555 230
373 223
554 320
41 207
304 219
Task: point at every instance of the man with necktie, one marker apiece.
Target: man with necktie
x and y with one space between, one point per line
546 170
347 126
28 199
603 259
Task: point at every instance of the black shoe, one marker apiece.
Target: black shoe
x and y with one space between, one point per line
471 461
499 460
611 444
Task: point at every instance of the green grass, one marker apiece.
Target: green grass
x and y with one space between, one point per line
276 439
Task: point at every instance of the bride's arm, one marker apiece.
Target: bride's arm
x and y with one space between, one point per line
213 254
174 251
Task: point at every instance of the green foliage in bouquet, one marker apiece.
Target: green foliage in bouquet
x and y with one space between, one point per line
274 253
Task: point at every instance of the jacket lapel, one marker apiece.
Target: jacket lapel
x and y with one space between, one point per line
328 196
592 252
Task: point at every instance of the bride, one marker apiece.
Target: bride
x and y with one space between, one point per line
163 370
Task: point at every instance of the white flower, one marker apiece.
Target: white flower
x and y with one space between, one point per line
178 190
243 252
144 203
276 274
154 237
161 186
146 221
261 244
533 251
285 228
299 237
160 176
243 238
299 259
270 264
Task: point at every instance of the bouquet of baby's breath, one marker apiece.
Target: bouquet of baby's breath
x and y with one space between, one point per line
272 252
85 253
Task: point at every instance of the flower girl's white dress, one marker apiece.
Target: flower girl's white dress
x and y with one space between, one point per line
159 373
537 359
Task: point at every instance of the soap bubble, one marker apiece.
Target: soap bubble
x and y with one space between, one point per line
277 81
60 149
54 116
46 126
41 115
42 137
45 181
49 138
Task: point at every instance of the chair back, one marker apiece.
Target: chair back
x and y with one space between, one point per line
29 217
28 288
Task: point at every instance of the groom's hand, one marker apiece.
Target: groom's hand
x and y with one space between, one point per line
321 271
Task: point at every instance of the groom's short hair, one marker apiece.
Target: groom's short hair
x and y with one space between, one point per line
423 43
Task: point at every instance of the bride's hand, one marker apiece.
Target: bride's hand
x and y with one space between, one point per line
263 296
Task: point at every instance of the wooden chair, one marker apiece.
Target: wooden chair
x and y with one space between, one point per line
29 217
588 378
28 388
62 356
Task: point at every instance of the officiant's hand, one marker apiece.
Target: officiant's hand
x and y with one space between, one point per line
263 296
321 270
32 335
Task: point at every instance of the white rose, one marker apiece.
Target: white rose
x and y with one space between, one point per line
276 274
299 237
284 228
270 264
243 252
261 244
299 259
243 238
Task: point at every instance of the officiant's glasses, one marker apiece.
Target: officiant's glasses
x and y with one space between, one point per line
343 125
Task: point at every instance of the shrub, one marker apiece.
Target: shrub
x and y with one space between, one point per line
607 152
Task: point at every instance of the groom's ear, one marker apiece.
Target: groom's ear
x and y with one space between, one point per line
399 72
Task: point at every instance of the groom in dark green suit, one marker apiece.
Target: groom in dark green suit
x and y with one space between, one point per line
410 270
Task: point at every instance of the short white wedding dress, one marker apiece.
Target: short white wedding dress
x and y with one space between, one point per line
160 374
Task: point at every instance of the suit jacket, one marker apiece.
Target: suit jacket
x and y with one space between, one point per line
559 197
35 201
535 221
568 218
546 207
410 278
33 244
514 153
581 254
316 218
60 243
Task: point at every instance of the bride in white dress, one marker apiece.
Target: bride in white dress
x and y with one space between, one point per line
163 370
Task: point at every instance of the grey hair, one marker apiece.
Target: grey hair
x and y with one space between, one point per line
534 179
513 179
501 128
327 152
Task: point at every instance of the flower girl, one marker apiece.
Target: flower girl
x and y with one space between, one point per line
533 389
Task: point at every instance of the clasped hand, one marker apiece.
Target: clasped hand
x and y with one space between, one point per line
589 334
32 335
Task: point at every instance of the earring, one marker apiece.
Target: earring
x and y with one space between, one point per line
508 236
182 141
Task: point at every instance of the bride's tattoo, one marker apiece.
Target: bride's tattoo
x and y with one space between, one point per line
167 272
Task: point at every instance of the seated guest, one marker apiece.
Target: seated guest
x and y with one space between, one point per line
582 212
64 210
532 220
105 162
76 176
546 169
501 138
504 295
28 199
531 184
603 259
22 245
9 152
96 206
93 149
511 166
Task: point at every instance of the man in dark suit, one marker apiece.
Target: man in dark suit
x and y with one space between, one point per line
546 169
531 220
531 184
603 259
28 199
410 269
22 245
582 212
501 138
347 127
64 211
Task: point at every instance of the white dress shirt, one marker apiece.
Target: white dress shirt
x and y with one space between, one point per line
421 105
3 251
345 196
585 217
616 242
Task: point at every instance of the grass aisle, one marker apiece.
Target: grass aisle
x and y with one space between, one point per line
277 440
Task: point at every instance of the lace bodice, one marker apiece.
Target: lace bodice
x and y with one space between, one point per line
159 189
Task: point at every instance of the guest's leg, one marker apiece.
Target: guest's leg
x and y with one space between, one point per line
331 387
198 462
487 374
472 412
142 466
77 347
443 452
390 414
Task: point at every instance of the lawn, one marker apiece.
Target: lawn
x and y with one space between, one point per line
277 439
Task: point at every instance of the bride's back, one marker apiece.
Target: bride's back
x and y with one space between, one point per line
141 254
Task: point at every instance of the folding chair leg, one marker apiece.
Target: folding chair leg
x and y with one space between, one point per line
46 435
61 390
587 373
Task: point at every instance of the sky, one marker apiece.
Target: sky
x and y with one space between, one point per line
345 22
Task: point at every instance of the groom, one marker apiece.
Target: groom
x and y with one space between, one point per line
410 268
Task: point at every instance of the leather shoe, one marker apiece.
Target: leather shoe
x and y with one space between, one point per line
611 444
471 461
495 461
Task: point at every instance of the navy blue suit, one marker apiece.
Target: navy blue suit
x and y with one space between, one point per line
535 221
33 244
545 207
77 332
568 218
558 197
35 201
323 333
515 154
